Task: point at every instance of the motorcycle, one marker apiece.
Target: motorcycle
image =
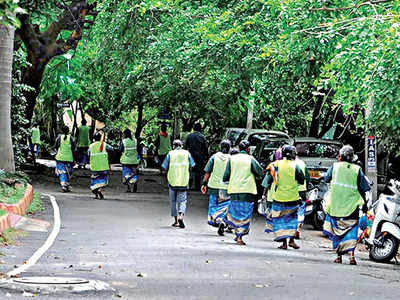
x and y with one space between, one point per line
383 241
315 214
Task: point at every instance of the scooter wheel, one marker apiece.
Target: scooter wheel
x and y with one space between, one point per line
388 250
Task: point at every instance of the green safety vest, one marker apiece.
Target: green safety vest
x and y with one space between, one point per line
83 137
129 156
302 166
344 196
178 170
287 189
270 193
64 152
217 174
165 145
242 180
98 160
35 135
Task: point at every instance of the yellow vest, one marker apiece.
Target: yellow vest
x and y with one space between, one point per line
98 160
344 196
217 174
242 180
178 170
287 187
64 152
129 156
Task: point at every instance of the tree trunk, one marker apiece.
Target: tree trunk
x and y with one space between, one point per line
139 125
6 57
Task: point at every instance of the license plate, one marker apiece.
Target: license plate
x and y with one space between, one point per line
314 173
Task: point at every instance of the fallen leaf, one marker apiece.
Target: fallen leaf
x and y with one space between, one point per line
208 261
143 275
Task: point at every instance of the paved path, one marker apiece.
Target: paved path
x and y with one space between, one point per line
126 236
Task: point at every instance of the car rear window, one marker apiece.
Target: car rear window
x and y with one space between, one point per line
309 149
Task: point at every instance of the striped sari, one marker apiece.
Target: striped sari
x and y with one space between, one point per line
238 217
284 219
129 175
217 207
64 172
98 179
343 232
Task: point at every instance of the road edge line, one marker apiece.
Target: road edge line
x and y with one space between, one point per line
49 242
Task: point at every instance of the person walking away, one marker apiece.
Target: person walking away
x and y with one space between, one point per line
130 161
303 196
347 194
34 144
83 144
287 176
268 194
178 163
219 199
99 166
163 144
241 172
64 158
150 153
197 145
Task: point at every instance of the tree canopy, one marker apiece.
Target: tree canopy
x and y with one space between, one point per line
311 67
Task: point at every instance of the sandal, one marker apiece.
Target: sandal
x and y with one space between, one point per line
294 245
221 228
181 224
100 195
338 260
283 247
240 242
175 224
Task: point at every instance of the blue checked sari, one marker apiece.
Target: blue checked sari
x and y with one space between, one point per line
284 219
217 207
239 216
64 172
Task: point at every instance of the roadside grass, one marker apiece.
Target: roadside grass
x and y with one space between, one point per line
12 186
36 205
9 236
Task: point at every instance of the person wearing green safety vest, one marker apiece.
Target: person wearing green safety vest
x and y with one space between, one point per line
241 172
130 161
303 196
34 143
217 189
178 163
268 194
99 166
163 145
83 144
287 176
347 194
65 158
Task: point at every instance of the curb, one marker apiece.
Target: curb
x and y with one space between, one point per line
15 211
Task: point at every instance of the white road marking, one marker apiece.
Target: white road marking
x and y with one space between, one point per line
49 242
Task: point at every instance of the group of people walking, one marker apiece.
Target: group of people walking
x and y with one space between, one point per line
231 184
230 179
96 154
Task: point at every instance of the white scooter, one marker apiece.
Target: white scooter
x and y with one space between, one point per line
384 239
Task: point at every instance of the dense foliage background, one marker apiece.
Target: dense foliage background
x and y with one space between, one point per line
311 67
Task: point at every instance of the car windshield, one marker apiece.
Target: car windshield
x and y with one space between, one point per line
314 149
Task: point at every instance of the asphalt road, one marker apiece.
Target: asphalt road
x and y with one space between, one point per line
126 240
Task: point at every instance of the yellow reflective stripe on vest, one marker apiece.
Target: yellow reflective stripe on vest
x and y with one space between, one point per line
178 169
98 160
129 155
242 180
344 197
